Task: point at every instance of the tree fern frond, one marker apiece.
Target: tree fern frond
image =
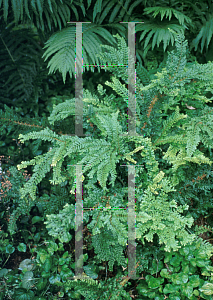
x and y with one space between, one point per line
97 8
114 13
5 9
124 9
16 8
133 5
19 64
62 45
89 3
26 8
38 10
160 31
75 11
105 10
50 6
40 4
33 4
205 35
168 11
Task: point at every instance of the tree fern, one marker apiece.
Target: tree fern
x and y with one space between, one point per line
123 10
42 12
167 12
62 45
23 65
205 34
159 32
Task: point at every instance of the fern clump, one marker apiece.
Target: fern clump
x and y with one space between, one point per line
167 126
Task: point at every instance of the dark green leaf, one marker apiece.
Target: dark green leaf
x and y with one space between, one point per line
22 247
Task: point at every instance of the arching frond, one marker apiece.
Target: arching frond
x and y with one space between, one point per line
19 65
159 33
205 35
62 46
115 10
42 12
168 12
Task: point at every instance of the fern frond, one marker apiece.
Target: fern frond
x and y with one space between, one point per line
167 12
159 33
205 35
55 11
20 65
62 46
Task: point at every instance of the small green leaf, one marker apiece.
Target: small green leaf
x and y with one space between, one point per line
90 271
201 263
22 247
194 280
207 288
27 281
171 288
175 261
179 278
10 249
61 261
201 255
164 273
196 292
37 237
193 262
3 272
66 254
52 247
205 273
185 269
41 284
154 283
54 279
43 255
187 290
48 264
22 294
26 264
36 219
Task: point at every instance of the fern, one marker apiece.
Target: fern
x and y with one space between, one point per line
62 45
167 12
156 209
160 31
42 12
22 66
205 34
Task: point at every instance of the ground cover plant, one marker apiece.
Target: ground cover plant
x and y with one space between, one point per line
173 191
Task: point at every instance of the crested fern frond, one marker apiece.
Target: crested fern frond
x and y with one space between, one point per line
169 123
199 129
91 105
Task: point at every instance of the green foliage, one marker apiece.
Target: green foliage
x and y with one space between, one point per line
205 34
23 64
62 45
42 12
167 12
171 125
179 275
